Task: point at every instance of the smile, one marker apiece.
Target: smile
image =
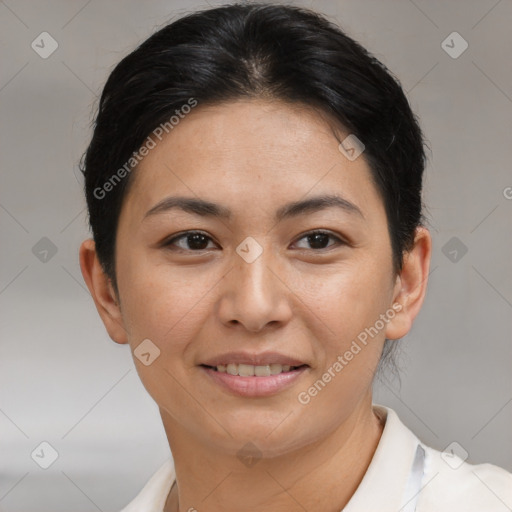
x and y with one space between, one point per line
250 381
249 370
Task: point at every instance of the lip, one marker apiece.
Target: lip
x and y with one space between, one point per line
260 359
254 386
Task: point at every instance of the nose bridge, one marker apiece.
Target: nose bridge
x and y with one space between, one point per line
252 273
253 294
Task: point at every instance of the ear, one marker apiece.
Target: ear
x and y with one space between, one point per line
102 292
411 285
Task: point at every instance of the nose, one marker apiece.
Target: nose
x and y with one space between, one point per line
255 294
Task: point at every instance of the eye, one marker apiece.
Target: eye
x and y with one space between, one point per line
319 238
196 241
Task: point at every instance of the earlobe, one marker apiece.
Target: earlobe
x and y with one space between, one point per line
411 285
102 292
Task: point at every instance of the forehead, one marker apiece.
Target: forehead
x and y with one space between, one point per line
250 154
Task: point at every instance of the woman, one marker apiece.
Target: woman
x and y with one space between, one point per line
226 148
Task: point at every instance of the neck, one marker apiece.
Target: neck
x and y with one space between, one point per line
320 476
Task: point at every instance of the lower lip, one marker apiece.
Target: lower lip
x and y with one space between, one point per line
255 386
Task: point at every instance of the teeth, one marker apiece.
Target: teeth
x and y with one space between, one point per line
276 368
248 370
262 371
232 369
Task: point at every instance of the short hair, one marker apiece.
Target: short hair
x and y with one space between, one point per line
235 51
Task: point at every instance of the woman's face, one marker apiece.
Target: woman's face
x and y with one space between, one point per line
253 284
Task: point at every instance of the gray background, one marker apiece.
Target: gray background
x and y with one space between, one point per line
62 380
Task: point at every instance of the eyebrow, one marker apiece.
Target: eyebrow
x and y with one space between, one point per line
206 208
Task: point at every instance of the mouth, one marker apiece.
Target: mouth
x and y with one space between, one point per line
250 381
249 370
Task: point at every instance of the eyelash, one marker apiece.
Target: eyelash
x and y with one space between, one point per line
169 242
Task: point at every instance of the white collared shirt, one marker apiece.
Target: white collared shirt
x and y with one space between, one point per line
404 476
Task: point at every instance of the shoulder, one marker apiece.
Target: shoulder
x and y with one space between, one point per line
451 484
409 475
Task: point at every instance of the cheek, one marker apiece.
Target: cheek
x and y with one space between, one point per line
347 300
164 305
347 351
167 308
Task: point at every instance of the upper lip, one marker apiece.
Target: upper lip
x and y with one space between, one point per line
262 359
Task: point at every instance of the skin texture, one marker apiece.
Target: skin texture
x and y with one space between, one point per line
253 156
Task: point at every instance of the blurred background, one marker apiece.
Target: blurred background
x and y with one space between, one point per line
65 384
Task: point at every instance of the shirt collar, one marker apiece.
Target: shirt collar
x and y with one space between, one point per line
385 481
